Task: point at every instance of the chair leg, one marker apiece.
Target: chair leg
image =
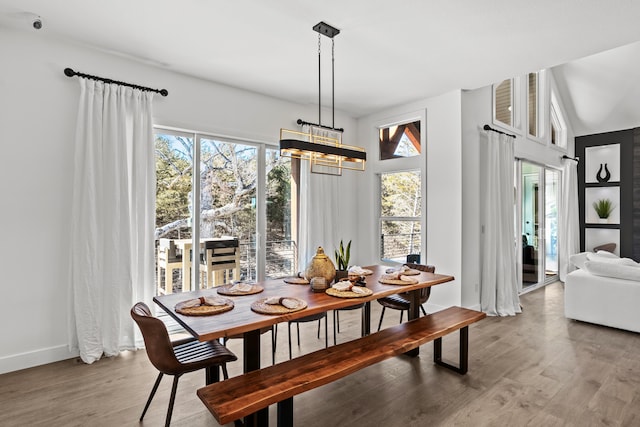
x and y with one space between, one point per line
338 317
401 314
325 319
424 313
381 316
298 329
167 423
153 393
290 354
274 337
225 374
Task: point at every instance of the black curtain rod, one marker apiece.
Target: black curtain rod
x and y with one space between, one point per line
70 73
302 122
575 159
487 127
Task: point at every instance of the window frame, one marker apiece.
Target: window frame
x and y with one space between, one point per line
516 98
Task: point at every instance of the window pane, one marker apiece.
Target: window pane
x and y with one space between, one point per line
400 207
399 239
503 100
533 104
281 249
400 141
400 194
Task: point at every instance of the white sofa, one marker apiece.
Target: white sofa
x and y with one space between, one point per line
602 299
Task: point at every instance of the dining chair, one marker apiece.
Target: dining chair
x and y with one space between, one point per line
168 260
179 357
311 318
402 301
336 319
220 261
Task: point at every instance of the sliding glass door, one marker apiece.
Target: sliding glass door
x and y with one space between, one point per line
242 192
537 223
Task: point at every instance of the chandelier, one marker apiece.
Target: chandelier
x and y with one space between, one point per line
322 145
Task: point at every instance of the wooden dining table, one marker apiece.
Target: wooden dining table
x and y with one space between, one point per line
242 320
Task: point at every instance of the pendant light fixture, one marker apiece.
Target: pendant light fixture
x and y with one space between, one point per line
322 145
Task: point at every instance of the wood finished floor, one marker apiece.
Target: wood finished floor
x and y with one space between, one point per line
535 369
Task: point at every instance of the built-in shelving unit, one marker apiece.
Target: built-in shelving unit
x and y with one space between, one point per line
605 171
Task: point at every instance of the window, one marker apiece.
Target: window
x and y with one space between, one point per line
503 102
558 126
400 214
532 103
401 140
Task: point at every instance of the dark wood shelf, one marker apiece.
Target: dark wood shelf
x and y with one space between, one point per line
602 184
596 225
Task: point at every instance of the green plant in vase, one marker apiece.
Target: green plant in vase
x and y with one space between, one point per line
342 255
603 208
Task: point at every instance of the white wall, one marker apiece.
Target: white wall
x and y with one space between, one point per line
441 164
38 106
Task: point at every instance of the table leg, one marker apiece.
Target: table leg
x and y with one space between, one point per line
414 313
251 351
366 319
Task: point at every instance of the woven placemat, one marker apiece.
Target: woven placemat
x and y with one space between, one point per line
296 280
349 294
205 310
395 282
260 306
227 290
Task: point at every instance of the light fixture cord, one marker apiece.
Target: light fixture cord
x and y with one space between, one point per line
319 81
333 86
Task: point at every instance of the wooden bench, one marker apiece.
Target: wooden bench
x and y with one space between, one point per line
240 396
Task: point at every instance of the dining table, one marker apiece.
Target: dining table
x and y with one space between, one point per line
242 320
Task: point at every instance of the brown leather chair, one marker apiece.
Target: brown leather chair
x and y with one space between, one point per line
402 301
179 357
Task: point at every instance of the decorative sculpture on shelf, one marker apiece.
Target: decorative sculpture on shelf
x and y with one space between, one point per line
607 176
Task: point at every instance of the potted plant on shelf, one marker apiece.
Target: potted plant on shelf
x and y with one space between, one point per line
603 208
342 255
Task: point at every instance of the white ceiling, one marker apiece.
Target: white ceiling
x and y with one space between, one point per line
387 53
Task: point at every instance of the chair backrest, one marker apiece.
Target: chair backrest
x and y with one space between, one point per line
424 292
156 340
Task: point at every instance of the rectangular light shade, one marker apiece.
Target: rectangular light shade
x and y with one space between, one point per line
321 150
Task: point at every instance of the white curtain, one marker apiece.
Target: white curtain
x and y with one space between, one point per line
319 201
112 241
569 220
499 283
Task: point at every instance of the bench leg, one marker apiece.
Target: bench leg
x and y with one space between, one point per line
285 413
464 352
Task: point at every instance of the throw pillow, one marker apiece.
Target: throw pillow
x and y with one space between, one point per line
607 254
616 260
579 259
607 269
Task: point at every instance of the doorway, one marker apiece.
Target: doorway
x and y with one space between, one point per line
537 223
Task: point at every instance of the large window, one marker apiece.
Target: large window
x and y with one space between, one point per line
400 214
503 103
401 140
242 191
558 126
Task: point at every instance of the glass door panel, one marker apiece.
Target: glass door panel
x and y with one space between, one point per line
281 249
174 170
530 199
228 181
551 196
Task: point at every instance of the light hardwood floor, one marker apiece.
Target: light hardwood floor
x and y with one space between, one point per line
536 369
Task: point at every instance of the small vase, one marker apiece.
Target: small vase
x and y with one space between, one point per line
320 266
603 220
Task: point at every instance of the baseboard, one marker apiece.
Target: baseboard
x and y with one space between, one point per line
432 308
16 362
